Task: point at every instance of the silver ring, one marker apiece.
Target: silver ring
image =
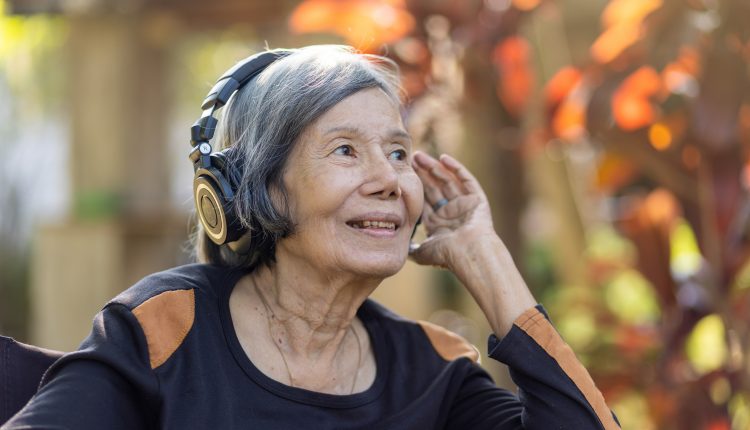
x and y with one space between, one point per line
439 204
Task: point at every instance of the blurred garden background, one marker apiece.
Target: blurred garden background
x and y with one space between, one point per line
611 136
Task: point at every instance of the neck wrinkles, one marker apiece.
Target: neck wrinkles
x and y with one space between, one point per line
313 312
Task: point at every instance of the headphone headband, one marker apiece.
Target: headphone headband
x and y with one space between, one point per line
230 82
236 77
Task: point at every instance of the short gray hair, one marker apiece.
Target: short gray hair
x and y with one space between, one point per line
262 122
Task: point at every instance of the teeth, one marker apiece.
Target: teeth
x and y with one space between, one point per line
375 224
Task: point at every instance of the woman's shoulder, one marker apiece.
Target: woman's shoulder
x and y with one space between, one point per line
448 345
175 283
165 304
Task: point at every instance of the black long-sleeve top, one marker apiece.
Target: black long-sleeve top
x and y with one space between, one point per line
164 354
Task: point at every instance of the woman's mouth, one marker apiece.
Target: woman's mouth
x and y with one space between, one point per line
373 224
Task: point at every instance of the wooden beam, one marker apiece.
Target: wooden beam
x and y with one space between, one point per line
194 13
32 7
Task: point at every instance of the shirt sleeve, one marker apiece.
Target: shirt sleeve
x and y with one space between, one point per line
108 383
554 389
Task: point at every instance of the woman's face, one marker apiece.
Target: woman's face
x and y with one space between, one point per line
352 191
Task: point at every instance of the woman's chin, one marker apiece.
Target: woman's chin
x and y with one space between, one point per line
377 267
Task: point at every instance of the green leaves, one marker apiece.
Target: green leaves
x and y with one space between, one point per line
706 347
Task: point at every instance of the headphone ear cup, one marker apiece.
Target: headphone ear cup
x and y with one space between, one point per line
213 195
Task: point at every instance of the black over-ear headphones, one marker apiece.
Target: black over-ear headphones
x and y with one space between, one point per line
213 185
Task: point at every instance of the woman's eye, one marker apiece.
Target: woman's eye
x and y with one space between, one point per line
398 155
346 150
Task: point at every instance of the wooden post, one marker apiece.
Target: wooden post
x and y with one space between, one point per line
120 180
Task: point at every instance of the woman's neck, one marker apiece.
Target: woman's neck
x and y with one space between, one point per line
314 309
306 320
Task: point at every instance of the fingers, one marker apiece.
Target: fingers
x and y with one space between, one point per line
462 173
446 181
451 216
438 181
432 189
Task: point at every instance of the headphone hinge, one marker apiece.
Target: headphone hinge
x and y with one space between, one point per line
201 155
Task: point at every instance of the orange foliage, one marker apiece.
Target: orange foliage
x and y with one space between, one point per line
512 57
657 212
682 72
720 424
668 130
561 85
365 24
744 116
660 136
643 81
689 60
661 207
634 341
526 5
570 120
631 103
568 113
746 174
613 172
622 20
610 44
633 112
620 12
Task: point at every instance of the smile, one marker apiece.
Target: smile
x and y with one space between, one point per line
373 224
378 224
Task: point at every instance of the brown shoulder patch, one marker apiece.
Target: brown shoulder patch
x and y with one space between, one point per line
449 345
166 319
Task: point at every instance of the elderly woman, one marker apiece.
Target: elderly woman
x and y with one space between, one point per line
311 206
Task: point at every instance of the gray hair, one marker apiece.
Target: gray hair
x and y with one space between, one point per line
261 124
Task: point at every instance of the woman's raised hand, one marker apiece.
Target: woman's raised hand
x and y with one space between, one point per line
460 237
456 211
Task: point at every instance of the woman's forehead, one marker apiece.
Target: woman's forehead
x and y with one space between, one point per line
360 112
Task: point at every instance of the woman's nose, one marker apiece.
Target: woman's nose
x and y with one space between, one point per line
382 178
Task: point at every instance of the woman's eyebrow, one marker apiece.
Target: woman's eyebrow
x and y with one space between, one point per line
395 133
401 134
344 129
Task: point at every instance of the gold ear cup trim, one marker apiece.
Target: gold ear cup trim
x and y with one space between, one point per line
210 212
